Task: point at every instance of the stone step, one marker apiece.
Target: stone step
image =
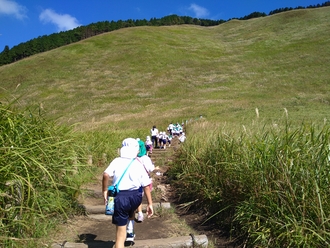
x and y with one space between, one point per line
183 241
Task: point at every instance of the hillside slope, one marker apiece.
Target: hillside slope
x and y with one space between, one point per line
134 75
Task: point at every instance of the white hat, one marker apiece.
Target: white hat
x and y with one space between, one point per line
130 148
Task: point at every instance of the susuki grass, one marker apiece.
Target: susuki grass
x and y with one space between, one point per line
266 182
40 177
42 166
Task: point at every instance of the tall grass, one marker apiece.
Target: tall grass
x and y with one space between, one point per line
268 183
103 144
39 175
42 168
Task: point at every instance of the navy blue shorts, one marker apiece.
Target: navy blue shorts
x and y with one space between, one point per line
126 202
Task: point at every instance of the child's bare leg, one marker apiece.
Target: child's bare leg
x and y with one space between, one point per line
120 236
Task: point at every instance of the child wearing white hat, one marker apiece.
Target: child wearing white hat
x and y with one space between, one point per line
129 196
148 145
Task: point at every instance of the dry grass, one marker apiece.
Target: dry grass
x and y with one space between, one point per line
140 75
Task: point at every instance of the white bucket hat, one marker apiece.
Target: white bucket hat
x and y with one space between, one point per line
130 148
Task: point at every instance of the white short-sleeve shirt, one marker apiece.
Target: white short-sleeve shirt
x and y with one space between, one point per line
147 162
134 177
154 131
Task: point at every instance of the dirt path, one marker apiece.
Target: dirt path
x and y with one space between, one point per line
96 228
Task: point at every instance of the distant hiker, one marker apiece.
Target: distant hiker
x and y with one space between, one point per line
170 128
129 197
169 139
149 167
176 131
179 128
160 139
148 144
154 136
163 140
182 137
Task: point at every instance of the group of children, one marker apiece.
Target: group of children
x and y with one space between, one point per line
161 139
138 182
175 129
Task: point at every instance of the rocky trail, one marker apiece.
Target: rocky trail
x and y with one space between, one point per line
166 228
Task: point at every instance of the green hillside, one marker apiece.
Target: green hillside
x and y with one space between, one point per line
160 74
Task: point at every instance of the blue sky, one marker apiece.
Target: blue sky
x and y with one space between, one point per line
23 20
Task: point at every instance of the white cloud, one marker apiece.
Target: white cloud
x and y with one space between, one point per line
63 22
199 11
9 7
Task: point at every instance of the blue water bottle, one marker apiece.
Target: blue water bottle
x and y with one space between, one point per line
110 206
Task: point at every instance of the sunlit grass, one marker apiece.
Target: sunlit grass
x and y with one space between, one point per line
40 175
265 181
220 72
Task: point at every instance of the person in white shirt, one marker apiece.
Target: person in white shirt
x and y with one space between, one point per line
148 144
169 139
129 196
170 128
180 129
160 139
182 137
164 140
149 166
176 130
154 136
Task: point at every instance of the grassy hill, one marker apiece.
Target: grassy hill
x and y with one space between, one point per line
135 77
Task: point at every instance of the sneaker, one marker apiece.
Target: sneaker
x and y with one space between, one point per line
140 217
130 237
